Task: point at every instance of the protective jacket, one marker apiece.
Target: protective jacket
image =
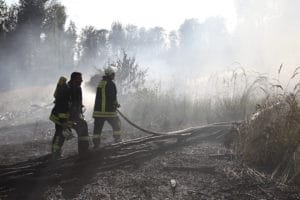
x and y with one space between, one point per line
106 99
68 111
75 105
60 113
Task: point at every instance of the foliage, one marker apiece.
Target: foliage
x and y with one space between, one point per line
234 93
270 138
8 19
129 76
34 32
92 47
117 37
55 18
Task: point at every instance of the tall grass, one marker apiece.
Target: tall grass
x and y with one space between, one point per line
270 138
228 96
235 94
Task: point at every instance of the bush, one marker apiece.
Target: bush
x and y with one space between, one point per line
270 138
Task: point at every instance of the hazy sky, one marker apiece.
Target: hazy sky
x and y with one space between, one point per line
266 34
168 14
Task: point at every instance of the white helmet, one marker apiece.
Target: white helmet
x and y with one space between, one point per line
109 71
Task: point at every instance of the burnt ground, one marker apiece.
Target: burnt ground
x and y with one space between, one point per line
200 171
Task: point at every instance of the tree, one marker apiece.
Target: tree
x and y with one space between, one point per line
173 40
188 33
69 42
156 40
54 49
8 21
55 18
130 77
204 44
103 45
132 39
89 44
31 15
117 38
3 19
173 47
26 36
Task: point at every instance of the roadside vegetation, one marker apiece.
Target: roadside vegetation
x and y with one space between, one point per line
269 138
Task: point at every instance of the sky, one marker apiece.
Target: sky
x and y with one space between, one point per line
169 14
264 34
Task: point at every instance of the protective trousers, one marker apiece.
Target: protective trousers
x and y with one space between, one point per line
81 128
58 141
114 122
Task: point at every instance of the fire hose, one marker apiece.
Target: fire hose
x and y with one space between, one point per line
138 127
187 130
69 135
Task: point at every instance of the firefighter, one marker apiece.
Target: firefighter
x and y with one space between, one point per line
105 107
67 114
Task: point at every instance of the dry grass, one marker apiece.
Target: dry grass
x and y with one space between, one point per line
270 138
25 105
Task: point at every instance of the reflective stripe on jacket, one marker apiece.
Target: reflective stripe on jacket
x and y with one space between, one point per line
60 112
106 99
59 118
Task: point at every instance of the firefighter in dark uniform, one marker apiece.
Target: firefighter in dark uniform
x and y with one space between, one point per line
105 107
67 114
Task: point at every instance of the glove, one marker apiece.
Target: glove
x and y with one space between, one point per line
116 105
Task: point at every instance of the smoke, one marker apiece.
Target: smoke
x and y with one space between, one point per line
264 37
267 34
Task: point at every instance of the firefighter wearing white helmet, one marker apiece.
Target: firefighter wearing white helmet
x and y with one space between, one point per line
109 71
105 107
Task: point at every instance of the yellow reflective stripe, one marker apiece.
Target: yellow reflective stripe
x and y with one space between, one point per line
55 148
102 84
54 118
96 136
84 138
63 115
104 114
117 132
103 94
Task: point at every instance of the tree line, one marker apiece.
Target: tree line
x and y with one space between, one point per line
36 41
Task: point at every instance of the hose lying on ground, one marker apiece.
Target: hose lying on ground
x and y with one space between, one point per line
188 130
138 127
